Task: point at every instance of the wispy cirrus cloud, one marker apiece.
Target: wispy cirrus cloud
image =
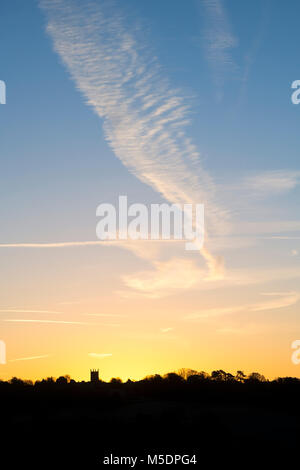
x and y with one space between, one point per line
271 182
166 330
164 280
62 322
52 245
218 42
31 358
113 315
126 244
144 119
18 310
282 237
280 300
99 355
254 187
249 59
270 227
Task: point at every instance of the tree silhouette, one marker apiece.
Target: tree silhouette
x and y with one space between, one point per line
240 376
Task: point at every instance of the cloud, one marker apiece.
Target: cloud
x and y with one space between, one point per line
213 312
254 276
99 355
247 329
271 182
144 121
165 279
29 358
235 331
281 300
277 294
256 43
215 264
155 337
20 320
52 245
244 195
17 310
266 229
251 189
116 315
281 238
166 330
218 42
143 117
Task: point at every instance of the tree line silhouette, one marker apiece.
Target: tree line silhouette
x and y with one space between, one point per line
187 412
189 376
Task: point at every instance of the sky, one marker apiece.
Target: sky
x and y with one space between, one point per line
177 102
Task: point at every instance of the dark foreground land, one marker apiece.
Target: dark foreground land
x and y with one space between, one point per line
223 420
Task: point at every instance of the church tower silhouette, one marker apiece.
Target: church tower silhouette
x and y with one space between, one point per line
94 375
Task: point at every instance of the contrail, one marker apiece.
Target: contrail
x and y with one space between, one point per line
21 320
29 358
144 119
51 245
18 310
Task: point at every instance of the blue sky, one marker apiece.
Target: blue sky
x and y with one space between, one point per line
232 65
